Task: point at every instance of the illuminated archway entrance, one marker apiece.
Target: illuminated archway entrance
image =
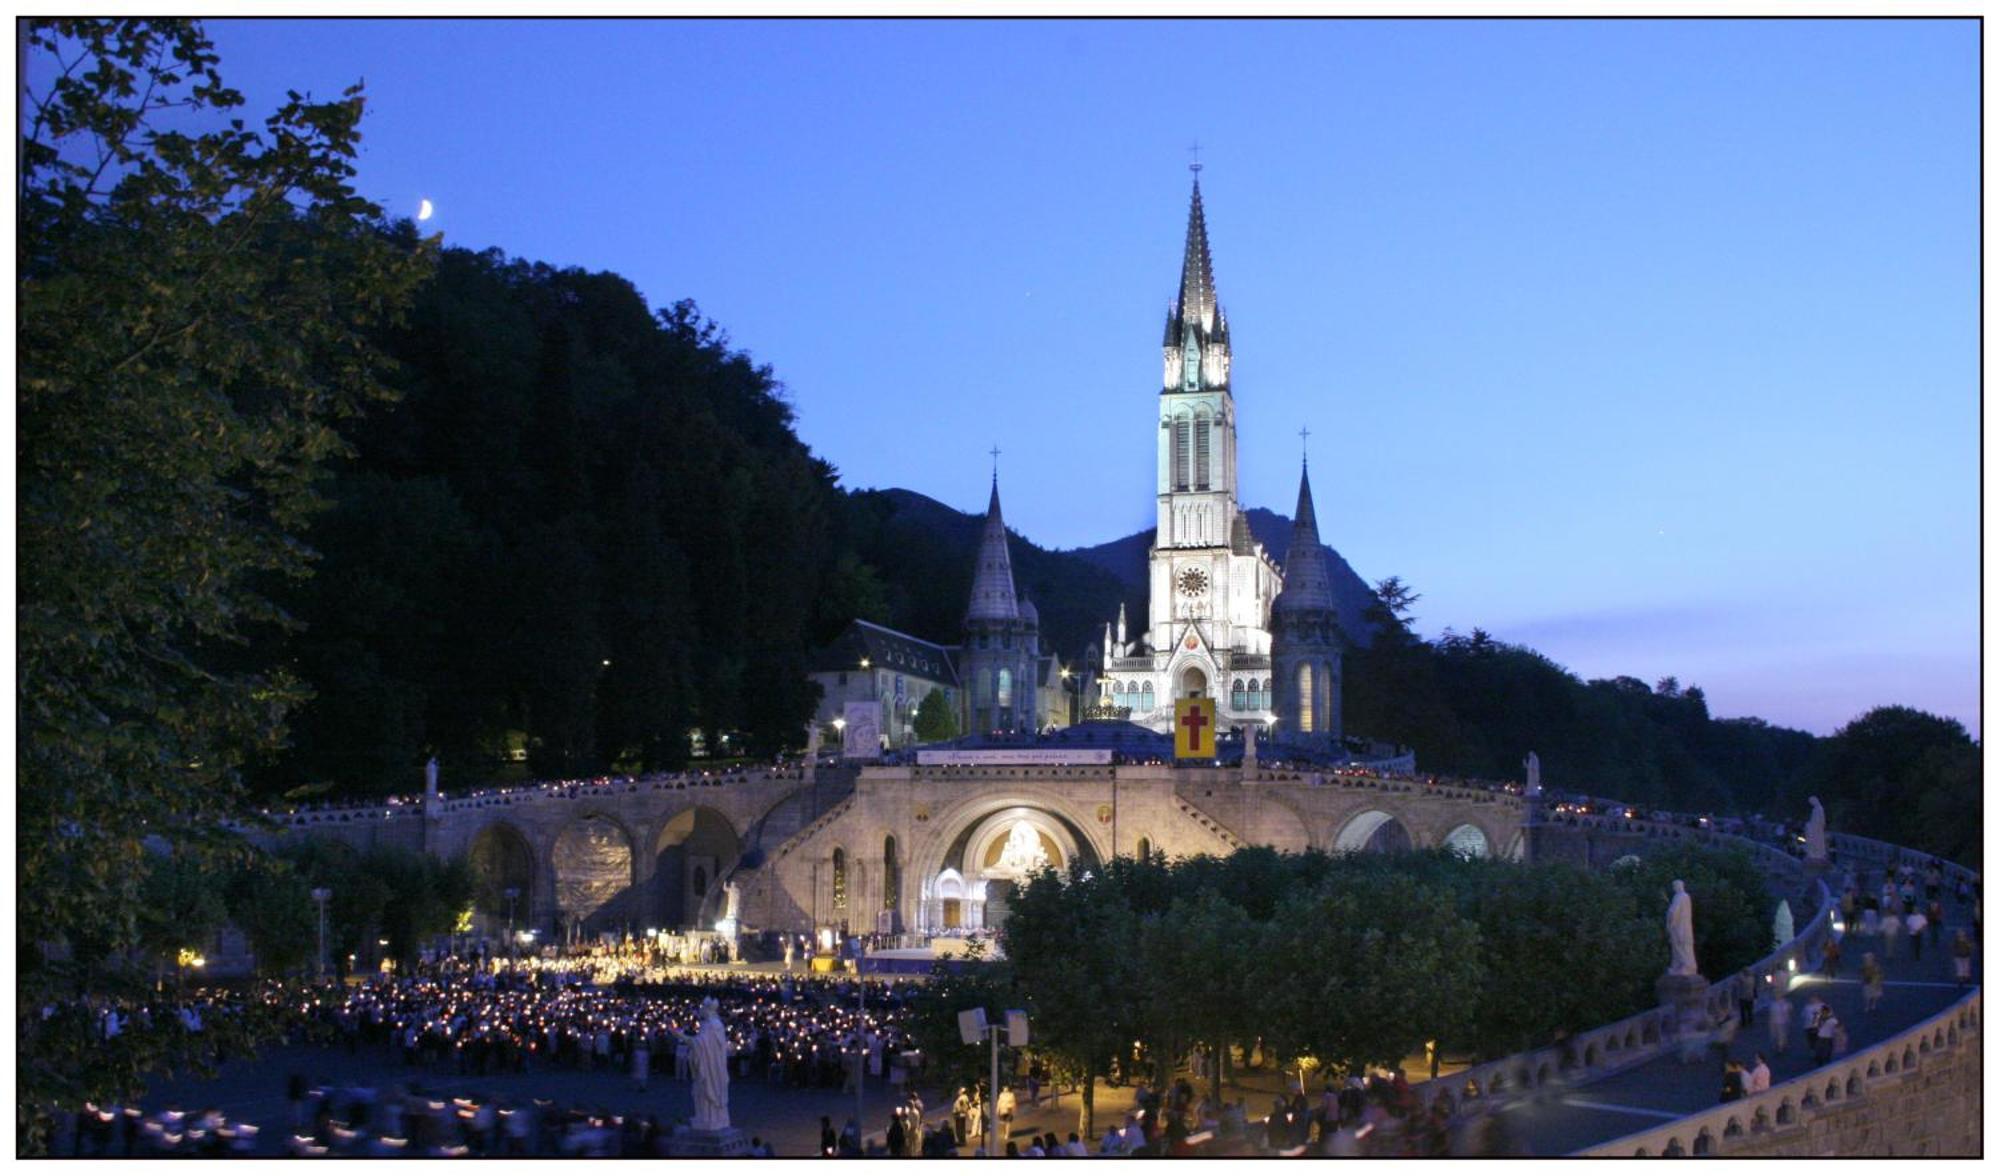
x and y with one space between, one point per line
1468 841
989 858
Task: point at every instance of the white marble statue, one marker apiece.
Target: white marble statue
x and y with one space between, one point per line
1680 932
812 742
1816 833
1782 929
1023 854
431 776
708 1054
732 899
1534 766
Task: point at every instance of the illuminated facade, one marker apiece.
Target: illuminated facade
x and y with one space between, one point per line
1211 586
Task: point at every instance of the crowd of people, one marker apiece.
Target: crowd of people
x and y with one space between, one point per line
1909 904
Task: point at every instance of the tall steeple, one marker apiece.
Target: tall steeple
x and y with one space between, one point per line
1197 300
993 572
1196 341
1308 580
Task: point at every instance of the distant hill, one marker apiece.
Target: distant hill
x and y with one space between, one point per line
924 549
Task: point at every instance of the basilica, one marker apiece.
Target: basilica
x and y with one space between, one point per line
1224 620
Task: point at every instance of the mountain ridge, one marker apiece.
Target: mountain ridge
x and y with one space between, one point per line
1076 589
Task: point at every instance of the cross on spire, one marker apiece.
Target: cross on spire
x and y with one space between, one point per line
995 452
1303 434
1194 165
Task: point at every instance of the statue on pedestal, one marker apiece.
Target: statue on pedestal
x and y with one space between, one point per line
732 895
431 777
1816 832
1534 766
708 1055
1680 932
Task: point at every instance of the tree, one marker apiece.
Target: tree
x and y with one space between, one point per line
935 720
1363 969
192 312
1903 776
1075 946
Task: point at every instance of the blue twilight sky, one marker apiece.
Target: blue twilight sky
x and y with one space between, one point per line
1651 345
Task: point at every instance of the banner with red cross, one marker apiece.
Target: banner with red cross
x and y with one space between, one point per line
1194 728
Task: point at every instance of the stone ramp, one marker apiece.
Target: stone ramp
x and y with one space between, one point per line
1562 1120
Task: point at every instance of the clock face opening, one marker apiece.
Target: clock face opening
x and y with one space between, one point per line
1194 582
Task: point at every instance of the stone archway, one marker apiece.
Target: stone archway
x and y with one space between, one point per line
695 849
592 862
1193 683
1468 840
501 860
994 851
1373 831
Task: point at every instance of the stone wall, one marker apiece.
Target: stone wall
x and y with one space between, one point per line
1916 1094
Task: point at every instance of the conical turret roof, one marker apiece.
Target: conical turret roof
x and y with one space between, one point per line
993 572
1308 580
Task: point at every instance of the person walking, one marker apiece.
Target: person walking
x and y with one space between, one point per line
1809 1021
1829 956
1871 982
1934 916
1758 1078
961 1107
1746 1001
1732 1081
1914 925
1780 1019
1005 1110
1961 958
1825 1035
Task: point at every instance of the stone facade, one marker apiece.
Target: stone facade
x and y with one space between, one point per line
1210 584
927 842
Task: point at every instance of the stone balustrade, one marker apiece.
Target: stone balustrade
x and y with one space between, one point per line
413 806
1645 1035
1933 1067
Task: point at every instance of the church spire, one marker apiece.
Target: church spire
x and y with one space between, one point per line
993 572
1308 580
1197 306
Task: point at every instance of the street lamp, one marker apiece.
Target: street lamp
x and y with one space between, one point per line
320 895
513 892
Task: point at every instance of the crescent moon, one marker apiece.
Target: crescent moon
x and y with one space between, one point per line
424 210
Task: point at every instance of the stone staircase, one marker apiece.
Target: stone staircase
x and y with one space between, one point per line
1214 827
781 832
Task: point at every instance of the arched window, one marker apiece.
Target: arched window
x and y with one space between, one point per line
1323 696
892 873
1201 432
1236 695
1305 698
1180 453
1146 697
1003 693
839 879
1118 694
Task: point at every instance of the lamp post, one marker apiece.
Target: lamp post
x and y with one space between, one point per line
320 895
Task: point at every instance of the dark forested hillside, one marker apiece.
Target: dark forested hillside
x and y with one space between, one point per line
585 530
